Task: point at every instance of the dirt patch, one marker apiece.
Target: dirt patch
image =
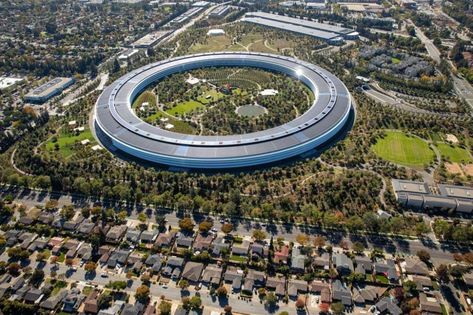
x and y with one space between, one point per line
454 168
468 169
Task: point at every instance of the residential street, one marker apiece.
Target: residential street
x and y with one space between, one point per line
440 252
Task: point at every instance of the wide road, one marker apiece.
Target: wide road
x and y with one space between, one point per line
440 252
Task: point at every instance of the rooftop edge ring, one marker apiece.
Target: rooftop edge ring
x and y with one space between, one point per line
118 127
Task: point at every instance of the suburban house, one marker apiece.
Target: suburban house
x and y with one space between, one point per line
387 306
254 279
241 249
341 293
322 261
192 272
173 267
234 276
149 237
155 262
295 287
212 275
281 256
133 235
387 268
421 282
414 266
277 285
184 241
429 304
203 242
322 288
165 240
115 234
297 260
220 244
343 264
367 294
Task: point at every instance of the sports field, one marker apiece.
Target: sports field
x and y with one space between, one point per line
399 148
454 153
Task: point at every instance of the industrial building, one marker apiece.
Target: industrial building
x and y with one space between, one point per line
417 195
220 12
184 17
119 128
149 40
48 90
307 27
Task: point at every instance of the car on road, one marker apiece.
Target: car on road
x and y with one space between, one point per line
164 286
103 275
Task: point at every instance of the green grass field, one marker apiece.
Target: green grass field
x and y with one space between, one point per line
401 149
184 108
66 142
146 96
453 153
214 96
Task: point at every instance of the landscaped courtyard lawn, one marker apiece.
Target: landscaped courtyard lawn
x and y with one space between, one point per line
66 142
399 148
184 108
454 153
214 96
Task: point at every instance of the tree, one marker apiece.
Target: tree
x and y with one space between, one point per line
338 308
122 215
222 291
358 247
37 277
259 235
205 226
319 241
300 303
227 309
13 269
270 299
90 266
183 284
442 273
67 212
142 217
69 262
227 228
165 308
410 287
302 239
422 228
142 293
116 66
423 255
186 224
195 302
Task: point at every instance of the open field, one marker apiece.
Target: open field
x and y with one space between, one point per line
454 153
66 141
146 96
399 148
184 108
211 95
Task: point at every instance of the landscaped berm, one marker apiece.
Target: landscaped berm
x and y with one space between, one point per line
401 148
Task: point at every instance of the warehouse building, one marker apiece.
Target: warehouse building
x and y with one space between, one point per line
48 90
149 40
417 195
329 37
184 17
220 12
339 31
